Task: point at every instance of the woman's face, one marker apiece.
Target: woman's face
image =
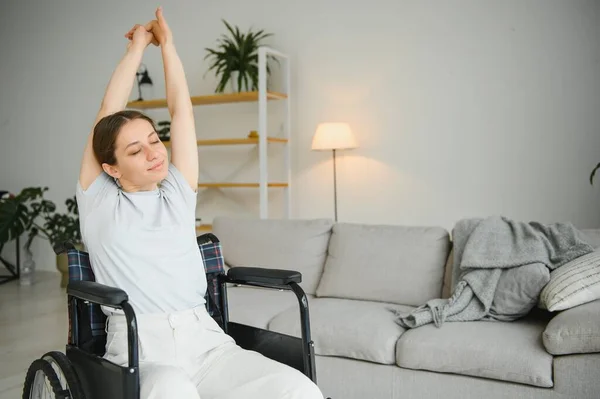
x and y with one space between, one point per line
142 158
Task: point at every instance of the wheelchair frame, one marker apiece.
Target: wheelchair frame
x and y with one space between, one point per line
100 378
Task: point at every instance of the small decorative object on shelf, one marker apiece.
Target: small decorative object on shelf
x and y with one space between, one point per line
142 79
253 134
236 59
164 131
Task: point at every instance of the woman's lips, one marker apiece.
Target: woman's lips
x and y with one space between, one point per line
157 166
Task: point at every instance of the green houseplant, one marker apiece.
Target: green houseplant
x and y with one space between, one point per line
593 173
30 213
61 227
164 131
236 58
20 213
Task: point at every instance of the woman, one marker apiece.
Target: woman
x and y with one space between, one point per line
137 213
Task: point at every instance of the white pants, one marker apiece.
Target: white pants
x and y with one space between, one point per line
187 355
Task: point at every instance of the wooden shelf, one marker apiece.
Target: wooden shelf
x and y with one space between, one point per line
238 185
233 141
210 99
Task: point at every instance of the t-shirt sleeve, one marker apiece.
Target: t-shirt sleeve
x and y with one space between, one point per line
101 188
176 187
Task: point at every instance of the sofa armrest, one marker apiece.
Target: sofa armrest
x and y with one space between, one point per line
97 293
259 275
575 330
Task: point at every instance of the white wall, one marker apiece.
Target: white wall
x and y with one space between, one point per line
461 108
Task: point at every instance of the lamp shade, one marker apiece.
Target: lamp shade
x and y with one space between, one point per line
333 136
145 80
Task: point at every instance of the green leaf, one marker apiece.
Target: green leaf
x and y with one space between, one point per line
13 219
593 174
237 51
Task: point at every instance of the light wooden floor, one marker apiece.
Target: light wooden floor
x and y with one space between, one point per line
33 321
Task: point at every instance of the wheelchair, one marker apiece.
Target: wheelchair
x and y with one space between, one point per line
82 372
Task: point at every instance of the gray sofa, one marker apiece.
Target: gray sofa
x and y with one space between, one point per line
355 274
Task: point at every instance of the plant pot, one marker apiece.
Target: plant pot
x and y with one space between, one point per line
233 81
62 265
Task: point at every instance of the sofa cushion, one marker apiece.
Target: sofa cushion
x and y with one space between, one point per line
299 245
394 264
257 306
573 284
347 328
507 351
576 330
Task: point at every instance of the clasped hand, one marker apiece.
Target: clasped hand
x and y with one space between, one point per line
156 32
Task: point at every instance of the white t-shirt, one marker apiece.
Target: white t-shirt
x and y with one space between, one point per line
144 242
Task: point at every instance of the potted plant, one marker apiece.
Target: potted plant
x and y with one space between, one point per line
30 213
236 59
18 215
593 173
164 131
62 227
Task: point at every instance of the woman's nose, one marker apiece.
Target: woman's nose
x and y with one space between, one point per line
151 154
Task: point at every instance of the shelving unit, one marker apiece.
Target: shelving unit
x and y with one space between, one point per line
235 141
239 185
262 96
211 99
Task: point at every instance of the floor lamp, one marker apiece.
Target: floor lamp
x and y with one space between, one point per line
333 136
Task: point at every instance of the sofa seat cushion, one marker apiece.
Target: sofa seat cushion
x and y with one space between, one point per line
348 328
384 263
257 306
575 330
506 351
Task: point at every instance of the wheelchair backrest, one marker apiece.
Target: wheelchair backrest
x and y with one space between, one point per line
91 320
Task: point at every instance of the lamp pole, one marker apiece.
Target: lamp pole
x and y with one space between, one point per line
137 78
333 136
334 187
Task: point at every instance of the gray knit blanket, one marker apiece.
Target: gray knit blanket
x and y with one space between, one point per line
500 268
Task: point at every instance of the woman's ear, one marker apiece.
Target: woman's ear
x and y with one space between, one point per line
112 171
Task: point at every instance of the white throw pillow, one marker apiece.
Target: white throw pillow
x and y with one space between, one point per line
573 284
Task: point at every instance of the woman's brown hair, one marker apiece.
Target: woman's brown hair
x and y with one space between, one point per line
107 130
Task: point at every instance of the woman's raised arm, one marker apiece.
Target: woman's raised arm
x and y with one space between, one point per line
184 149
115 97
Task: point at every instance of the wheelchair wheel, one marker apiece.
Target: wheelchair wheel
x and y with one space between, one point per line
52 376
66 374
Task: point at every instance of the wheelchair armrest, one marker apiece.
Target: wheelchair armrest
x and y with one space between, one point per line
259 275
97 293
